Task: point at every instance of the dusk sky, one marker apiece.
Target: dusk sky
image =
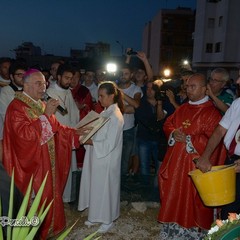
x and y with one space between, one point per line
58 25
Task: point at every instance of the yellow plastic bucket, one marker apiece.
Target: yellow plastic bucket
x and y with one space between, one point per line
216 187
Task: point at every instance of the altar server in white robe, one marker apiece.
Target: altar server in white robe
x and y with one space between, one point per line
70 118
100 182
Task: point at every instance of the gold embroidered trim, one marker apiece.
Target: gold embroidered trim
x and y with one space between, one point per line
35 110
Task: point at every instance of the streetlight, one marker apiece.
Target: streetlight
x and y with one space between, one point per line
167 74
111 68
186 64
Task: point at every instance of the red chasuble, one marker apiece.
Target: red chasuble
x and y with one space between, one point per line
180 202
25 151
83 99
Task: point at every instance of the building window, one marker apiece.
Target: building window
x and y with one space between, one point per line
218 47
168 24
211 22
209 48
220 21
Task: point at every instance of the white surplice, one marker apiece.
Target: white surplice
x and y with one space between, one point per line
6 96
70 119
100 182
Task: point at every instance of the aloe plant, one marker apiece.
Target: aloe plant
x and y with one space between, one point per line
26 232
29 232
91 236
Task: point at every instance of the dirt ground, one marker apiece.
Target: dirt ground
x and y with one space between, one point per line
138 216
137 221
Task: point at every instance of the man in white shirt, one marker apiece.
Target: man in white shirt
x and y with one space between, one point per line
132 96
4 71
229 130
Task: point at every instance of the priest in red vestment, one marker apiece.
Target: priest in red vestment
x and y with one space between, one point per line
35 143
183 214
83 100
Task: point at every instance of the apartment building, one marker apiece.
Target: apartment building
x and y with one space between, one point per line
167 38
217 35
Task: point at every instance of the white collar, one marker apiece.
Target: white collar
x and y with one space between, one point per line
203 100
57 87
19 88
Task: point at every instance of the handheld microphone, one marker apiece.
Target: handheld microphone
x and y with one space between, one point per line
62 110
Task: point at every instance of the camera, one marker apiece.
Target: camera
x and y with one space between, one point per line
160 90
160 95
131 52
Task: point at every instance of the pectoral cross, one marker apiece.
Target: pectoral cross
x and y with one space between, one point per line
186 123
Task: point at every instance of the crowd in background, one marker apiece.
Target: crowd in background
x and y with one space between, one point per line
150 105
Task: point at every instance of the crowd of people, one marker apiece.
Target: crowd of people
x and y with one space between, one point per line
154 129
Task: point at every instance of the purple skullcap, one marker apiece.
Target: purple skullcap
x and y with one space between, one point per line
30 71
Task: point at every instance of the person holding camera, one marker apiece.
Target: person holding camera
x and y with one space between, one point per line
143 71
181 96
182 214
149 117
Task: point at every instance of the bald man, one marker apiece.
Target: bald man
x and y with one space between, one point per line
188 129
35 143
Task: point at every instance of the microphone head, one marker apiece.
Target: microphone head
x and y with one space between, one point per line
60 109
45 96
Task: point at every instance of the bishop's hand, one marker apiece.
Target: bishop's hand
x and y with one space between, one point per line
51 106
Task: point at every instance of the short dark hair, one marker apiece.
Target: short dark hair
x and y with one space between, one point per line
17 65
5 59
127 66
65 68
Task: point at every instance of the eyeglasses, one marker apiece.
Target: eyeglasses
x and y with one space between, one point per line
213 80
19 74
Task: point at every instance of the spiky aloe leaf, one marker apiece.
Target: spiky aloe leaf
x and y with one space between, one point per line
32 211
23 208
1 230
10 209
42 208
91 236
34 230
66 232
